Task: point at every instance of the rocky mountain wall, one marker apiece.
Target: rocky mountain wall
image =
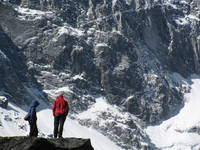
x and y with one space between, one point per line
15 77
128 48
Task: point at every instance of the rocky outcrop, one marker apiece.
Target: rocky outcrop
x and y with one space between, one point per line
3 102
31 143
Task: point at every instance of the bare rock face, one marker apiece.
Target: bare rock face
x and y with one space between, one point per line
30 143
15 78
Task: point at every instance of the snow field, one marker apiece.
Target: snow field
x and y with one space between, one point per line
173 134
13 124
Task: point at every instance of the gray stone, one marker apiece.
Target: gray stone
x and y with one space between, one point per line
31 143
3 102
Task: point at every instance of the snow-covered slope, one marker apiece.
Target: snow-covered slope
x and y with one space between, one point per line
177 133
12 124
181 131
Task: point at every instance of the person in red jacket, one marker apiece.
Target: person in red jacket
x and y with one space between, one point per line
60 110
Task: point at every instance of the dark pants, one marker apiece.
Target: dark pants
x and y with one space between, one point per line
59 121
33 128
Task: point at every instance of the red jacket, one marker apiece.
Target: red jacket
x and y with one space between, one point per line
60 106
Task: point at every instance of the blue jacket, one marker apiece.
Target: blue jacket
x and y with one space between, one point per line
32 111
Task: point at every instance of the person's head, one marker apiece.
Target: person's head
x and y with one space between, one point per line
61 94
35 103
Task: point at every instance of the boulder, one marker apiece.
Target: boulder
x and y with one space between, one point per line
3 102
32 143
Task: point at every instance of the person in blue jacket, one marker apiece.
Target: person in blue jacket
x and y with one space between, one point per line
32 119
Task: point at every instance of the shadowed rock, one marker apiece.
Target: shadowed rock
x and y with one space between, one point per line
30 143
3 102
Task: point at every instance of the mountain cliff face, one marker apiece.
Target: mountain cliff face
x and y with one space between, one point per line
125 50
